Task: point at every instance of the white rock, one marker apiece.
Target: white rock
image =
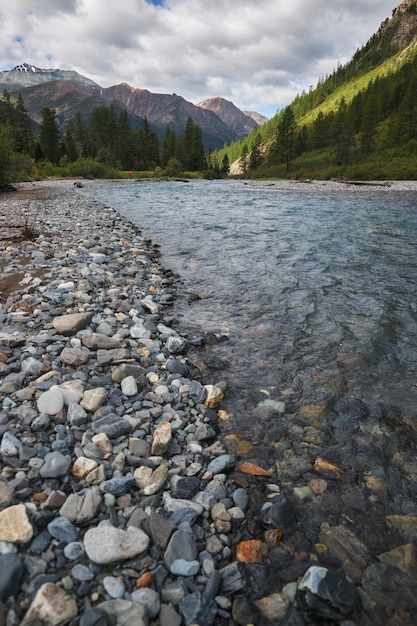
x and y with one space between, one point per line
51 402
107 544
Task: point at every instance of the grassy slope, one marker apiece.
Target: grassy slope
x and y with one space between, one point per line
349 90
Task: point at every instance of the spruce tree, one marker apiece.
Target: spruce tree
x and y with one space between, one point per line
50 136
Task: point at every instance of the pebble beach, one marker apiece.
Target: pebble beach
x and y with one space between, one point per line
120 501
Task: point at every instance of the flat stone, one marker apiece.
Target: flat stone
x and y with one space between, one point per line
173 505
160 529
98 341
83 507
15 526
111 425
112 356
93 398
182 545
51 402
62 529
11 574
82 467
118 485
12 339
52 605
70 324
10 445
251 468
149 599
124 613
390 587
344 544
221 464
114 587
74 357
56 464
404 557
107 544
129 386
150 305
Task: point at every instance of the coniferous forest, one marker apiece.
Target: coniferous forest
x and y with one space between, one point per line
104 148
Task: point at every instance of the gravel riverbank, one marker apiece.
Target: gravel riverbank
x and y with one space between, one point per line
120 502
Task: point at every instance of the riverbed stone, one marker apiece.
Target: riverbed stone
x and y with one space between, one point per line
93 399
51 605
51 402
71 323
15 526
56 464
112 426
119 544
80 508
123 613
74 357
161 438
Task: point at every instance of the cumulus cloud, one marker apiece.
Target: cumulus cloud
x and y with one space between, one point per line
257 54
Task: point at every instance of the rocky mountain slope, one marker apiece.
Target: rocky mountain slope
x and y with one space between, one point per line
70 93
235 119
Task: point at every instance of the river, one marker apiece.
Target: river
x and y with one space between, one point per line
314 284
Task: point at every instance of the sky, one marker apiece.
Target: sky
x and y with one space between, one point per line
259 54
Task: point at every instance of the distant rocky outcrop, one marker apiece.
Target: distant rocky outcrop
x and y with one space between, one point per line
240 122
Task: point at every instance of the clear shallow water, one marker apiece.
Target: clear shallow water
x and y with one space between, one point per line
315 284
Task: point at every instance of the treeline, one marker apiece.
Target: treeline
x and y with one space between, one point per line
380 120
107 144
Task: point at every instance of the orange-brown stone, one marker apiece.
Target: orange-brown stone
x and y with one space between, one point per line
250 468
144 581
249 551
244 447
328 468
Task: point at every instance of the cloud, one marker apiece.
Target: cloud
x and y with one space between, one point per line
258 54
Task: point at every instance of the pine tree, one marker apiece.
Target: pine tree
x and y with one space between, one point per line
70 145
255 156
23 128
50 136
286 135
169 146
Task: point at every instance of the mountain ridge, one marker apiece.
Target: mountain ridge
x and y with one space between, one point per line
70 92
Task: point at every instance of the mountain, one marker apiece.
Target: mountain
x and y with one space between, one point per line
239 122
259 119
26 75
68 98
70 93
172 110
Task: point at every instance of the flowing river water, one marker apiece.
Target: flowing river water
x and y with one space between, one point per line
314 285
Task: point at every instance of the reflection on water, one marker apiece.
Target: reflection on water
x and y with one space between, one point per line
314 286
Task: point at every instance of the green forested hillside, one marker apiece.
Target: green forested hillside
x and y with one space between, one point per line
360 122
